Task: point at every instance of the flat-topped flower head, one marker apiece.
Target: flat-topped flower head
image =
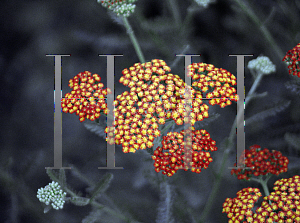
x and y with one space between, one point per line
52 194
284 205
292 58
239 209
87 98
154 84
143 73
134 128
171 155
262 64
261 162
120 7
216 83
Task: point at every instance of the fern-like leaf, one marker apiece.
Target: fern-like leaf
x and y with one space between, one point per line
101 186
257 95
93 216
80 201
97 128
55 177
62 178
279 107
164 214
293 86
292 139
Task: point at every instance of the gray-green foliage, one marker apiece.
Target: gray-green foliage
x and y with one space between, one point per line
292 139
96 127
271 111
293 86
93 216
101 186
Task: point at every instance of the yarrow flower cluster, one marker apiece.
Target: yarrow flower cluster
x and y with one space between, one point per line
262 162
239 209
87 99
52 194
282 205
172 155
155 96
217 83
120 7
292 58
262 64
285 203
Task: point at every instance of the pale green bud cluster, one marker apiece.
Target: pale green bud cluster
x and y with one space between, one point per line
203 3
262 64
120 7
52 194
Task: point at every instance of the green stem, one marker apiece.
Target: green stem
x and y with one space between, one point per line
111 211
229 144
175 12
133 40
254 86
247 100
215 188
188 19
264 186
247 9
166 128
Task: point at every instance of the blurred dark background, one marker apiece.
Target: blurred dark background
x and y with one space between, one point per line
84 29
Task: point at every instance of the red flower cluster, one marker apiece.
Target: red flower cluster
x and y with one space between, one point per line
87 98
175 158
218 81
262 162
292 58
239 209
285 203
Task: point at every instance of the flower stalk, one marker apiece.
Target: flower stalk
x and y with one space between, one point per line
247 9
133 39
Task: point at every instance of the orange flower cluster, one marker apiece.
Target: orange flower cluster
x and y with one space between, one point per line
262 162
155 96
239 209
134 128
87 99
219 82
154 84
176 158
292 58
285 203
